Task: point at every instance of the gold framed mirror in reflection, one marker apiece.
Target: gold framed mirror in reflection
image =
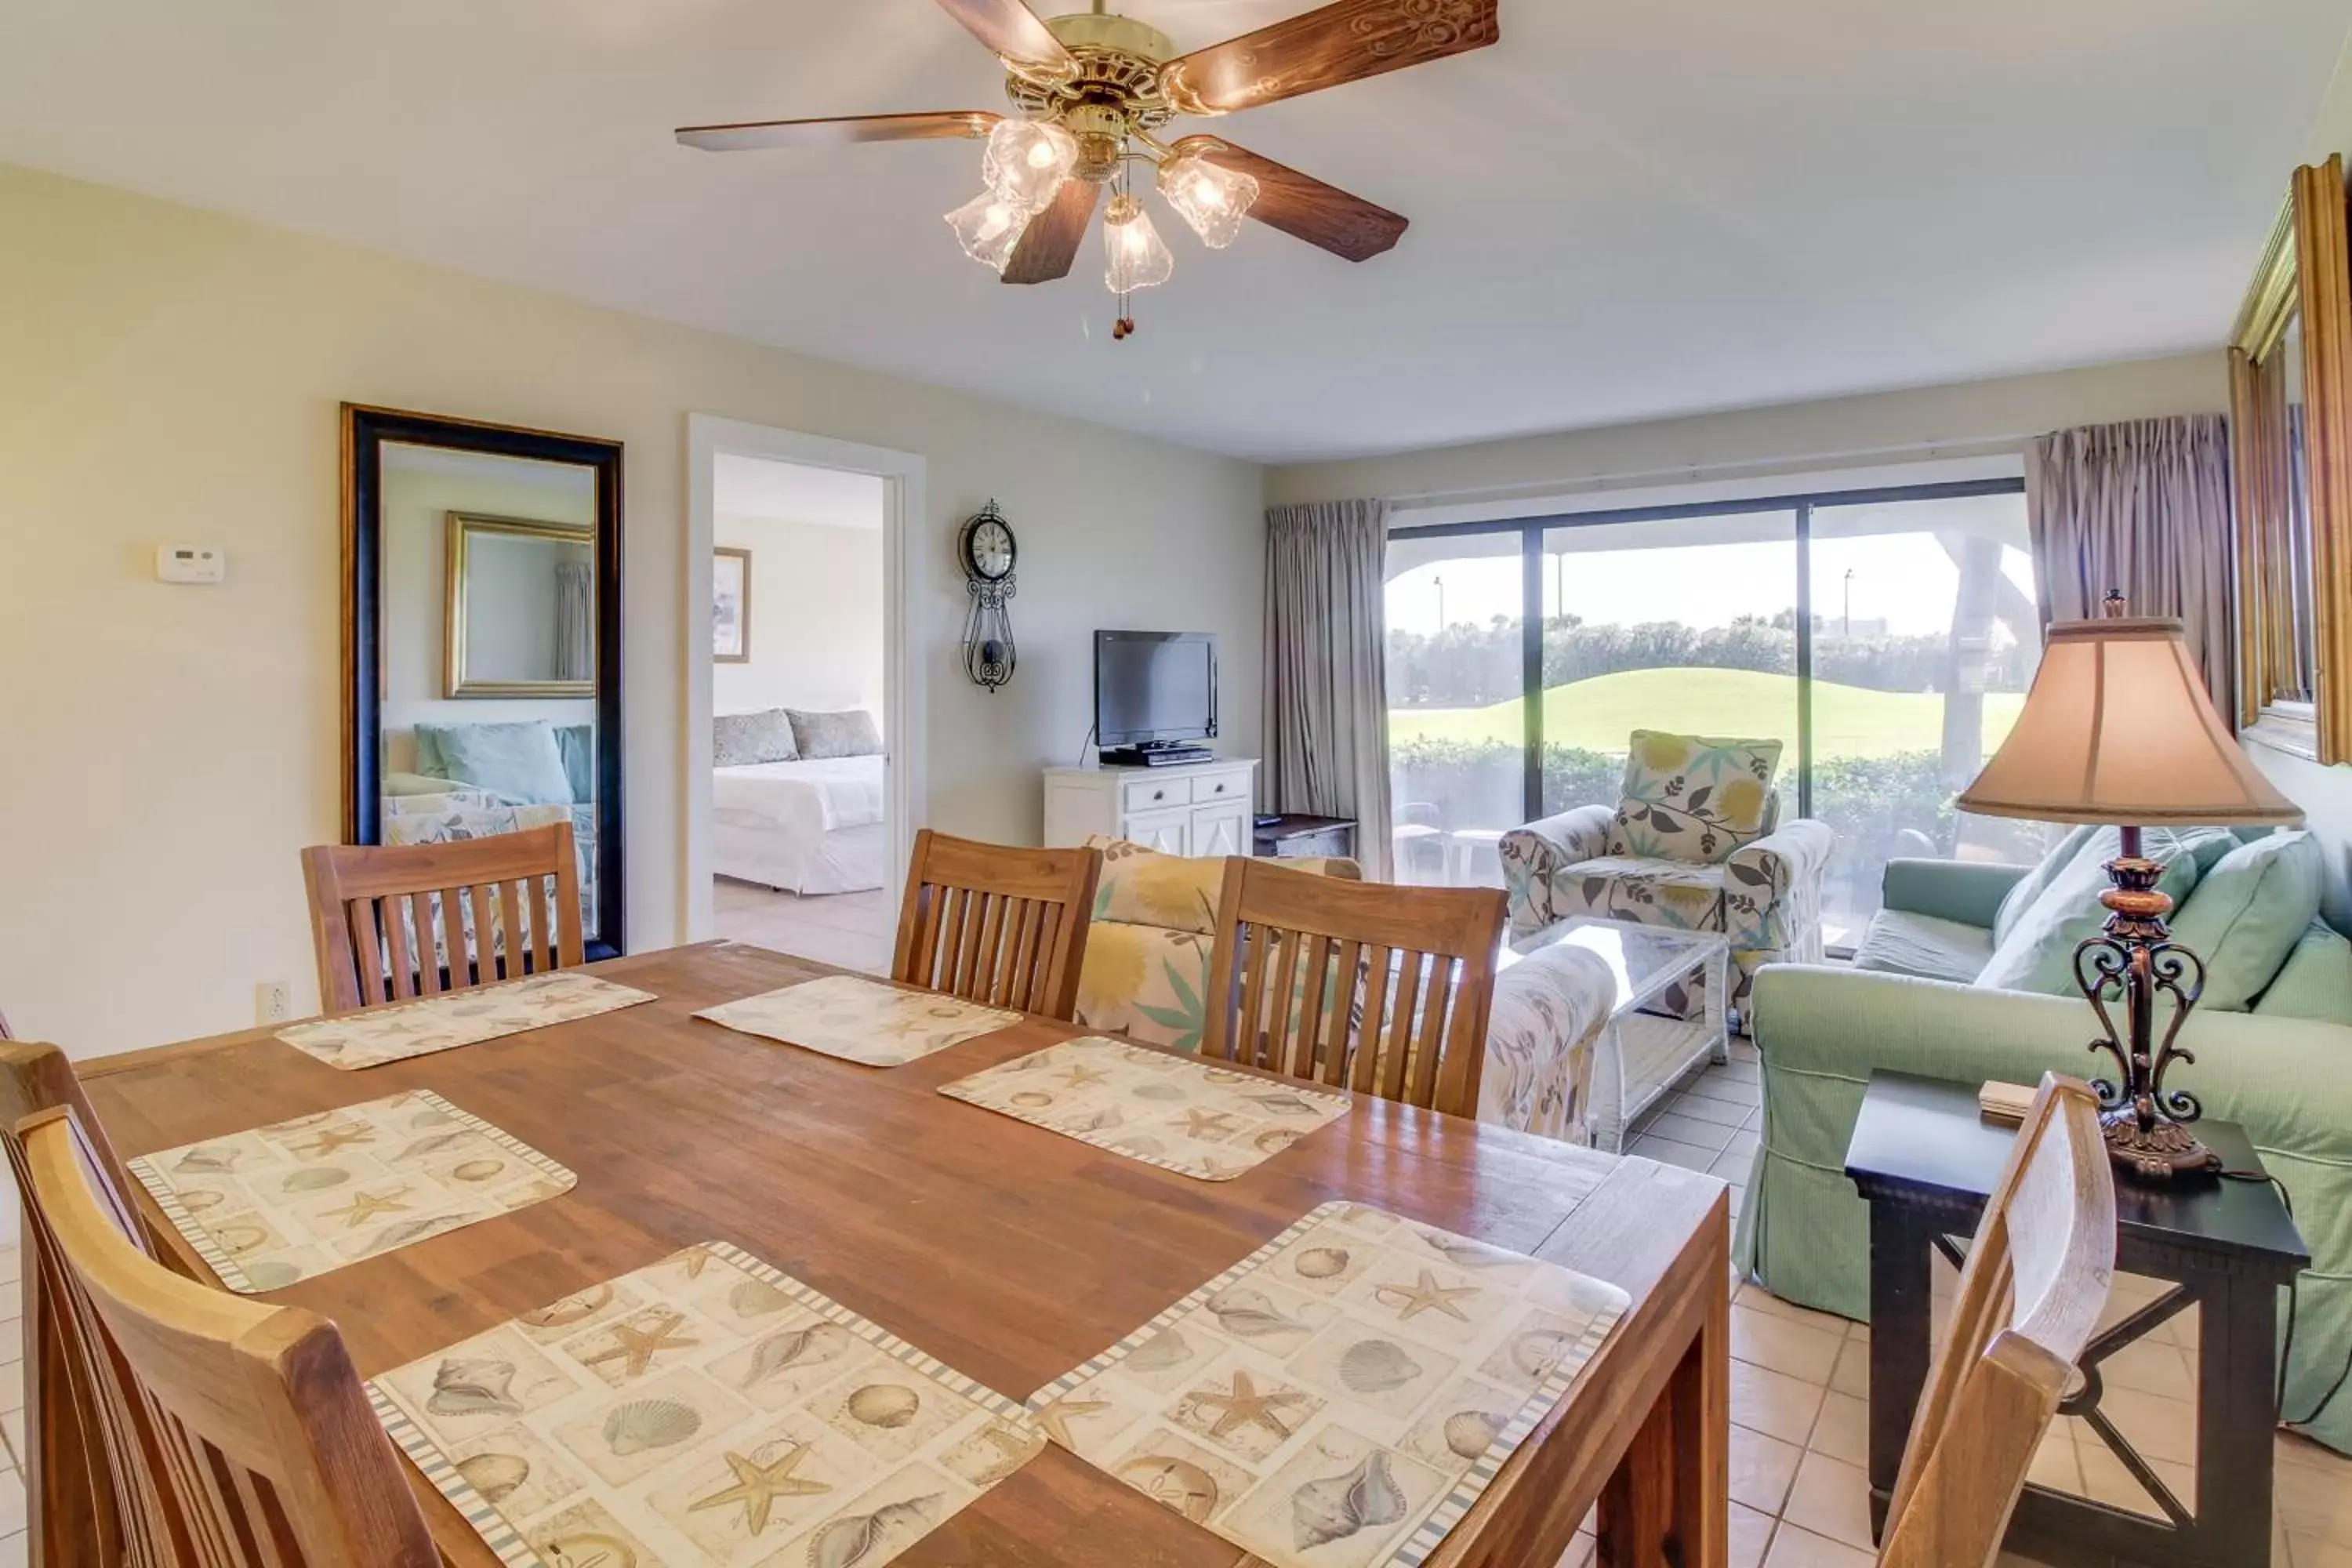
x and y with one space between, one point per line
482 641
2290 421
519 616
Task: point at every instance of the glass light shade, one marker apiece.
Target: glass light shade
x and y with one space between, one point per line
989 227
1213 198
1026 161
2119 729
1139 257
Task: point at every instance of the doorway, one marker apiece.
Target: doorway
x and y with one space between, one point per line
800 706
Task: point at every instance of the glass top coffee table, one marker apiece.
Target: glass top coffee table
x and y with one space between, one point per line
1642 1054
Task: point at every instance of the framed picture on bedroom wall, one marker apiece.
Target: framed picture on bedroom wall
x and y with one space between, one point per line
731 605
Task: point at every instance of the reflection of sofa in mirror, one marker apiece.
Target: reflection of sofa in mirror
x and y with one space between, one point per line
442 783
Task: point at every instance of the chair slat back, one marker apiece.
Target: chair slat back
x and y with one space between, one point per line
416 920
997 924
238 1434
68 1484
1364 985
2029 1300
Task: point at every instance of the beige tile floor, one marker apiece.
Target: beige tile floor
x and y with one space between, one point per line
855 931
13 1552
1799 1389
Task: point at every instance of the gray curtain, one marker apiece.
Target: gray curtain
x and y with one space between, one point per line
2144 507
1327 748
575 629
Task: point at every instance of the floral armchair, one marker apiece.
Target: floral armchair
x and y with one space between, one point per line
1652 861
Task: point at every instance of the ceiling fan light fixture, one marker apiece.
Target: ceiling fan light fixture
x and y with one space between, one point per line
988 227
1026 161
1139 257
1213 199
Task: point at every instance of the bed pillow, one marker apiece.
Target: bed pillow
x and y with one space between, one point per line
740 740
428 753
520 762
845 734
577 745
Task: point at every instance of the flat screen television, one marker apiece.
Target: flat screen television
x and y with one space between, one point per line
1154 691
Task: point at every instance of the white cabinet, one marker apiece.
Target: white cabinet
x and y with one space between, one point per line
1200 808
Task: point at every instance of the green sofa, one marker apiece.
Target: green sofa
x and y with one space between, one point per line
2274 1053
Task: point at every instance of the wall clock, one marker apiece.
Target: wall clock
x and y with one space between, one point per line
988 551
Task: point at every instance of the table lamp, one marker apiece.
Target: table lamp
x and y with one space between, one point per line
2118 729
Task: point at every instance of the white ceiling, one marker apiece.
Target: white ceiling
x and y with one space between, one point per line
792 492
1622 211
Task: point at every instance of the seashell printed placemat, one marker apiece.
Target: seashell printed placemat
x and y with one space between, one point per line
383 1034
282 1203
707 1410
861 1021
1339 1398
1168 1110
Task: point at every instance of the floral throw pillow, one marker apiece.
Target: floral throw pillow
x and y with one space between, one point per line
1694 798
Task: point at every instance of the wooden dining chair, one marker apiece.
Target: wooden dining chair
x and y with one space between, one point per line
237 1434
391 922
69 1487
997 924
2029 1300
1373 986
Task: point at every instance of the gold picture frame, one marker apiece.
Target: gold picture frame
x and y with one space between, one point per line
457 682
2295 509
726 649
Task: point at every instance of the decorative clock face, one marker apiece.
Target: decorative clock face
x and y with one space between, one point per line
987 548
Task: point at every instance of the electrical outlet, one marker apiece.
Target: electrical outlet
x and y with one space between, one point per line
273 1002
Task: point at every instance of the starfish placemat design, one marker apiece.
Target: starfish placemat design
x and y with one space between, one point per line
861 1021
1342 1396
1191 1117
705 1412
267 1207
379 1035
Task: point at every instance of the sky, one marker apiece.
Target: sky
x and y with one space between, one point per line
1905 579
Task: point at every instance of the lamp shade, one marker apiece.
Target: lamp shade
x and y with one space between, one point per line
2118 728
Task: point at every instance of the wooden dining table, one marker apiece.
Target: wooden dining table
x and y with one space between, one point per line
1007 1251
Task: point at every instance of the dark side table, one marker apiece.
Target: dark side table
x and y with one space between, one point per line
1926 1160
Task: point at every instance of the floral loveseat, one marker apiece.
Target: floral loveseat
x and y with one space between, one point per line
1762 887
1146 976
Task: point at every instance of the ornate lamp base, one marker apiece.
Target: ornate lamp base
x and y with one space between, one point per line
2145 1125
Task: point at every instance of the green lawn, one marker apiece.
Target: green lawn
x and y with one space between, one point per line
1598 714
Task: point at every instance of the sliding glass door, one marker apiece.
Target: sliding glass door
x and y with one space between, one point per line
1884 638
1671 626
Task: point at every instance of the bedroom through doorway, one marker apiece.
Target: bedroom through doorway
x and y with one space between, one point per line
801 840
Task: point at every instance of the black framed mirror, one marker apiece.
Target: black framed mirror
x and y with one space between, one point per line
433 752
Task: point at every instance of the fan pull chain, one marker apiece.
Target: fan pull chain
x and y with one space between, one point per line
1124 327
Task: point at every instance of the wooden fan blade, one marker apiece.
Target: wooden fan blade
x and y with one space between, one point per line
1050 243
1347 42
1012 32
1303 206
838 132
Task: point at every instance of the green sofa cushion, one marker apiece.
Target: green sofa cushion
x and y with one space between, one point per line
2038 953
2315 981
2036 883
2248 912
1899 943
521 760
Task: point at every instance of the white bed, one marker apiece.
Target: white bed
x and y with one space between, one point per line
802 826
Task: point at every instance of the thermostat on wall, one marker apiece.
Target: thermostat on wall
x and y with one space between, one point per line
191 564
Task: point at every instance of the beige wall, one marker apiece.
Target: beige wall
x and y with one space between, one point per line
175 375
817 617
1972 419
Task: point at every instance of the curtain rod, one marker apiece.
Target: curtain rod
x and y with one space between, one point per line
1692 473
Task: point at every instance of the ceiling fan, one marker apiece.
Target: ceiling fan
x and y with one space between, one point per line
1092 89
